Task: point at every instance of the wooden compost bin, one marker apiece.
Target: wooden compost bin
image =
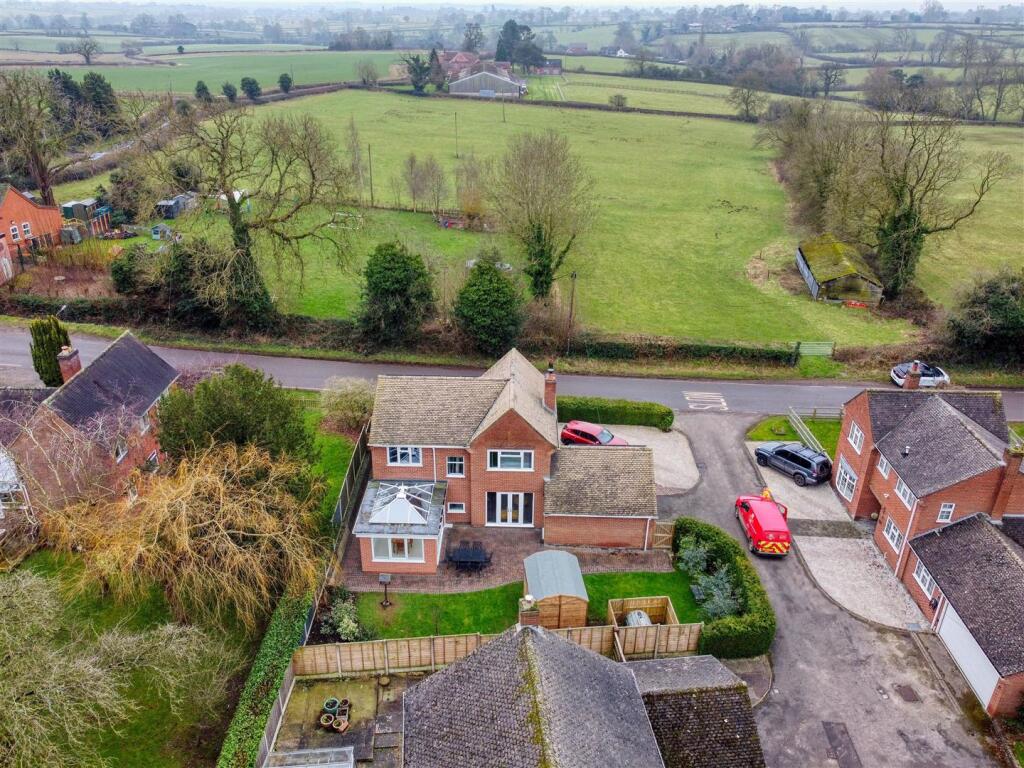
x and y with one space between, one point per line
554 580
665 637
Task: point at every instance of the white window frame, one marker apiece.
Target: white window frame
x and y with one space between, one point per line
893 534
26 229
414 456
906 495
120 450
924 579
15 234
856 437
884 466
391 558
499 453
448 466
850 478
453 511
946 511
144 423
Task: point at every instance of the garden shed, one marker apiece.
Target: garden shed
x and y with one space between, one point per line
835 271
555 582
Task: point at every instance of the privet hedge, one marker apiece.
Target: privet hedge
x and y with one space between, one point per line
666 348
751 632
283 636
605 410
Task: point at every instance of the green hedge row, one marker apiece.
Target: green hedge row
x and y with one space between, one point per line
606 410
734 637
664 348
284 634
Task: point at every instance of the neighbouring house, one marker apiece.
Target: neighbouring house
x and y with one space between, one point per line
27 224
931 467
98 426
487 85
550 67
538 699
454 63
6 263
835 271
576 49
459 451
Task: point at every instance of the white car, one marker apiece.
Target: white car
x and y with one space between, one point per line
931 375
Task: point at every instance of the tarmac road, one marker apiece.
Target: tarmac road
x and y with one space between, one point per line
747 397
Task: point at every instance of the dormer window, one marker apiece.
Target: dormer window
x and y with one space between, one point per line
120 449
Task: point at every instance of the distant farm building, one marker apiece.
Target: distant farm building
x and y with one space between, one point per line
487 85
576 49
550 67
835 271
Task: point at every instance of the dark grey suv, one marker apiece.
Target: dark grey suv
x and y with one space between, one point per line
805 465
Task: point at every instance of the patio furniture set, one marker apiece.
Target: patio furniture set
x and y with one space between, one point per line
468 556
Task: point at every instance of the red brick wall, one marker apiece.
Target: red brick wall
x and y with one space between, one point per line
44 221
918 594
429 564
1008 695
1010 500
863 503
575 530
433 458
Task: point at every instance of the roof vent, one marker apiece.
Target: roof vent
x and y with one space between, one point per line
906 451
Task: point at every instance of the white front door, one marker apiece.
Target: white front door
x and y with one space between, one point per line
514 509
968 655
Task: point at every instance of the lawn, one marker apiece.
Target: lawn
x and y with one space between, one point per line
490 611
777 428
335 452
1018 750
684 205
182 72
598 64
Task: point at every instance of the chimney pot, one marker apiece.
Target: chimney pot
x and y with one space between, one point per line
69 361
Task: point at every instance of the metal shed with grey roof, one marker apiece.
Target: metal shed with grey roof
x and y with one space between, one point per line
555 582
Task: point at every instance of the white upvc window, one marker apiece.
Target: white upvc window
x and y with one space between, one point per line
397 549
405 456
144 424
510 461
906 495
456 508
946 512
924 579
15 234
120 449
856 437
883 467
893 534
26 229
455 466
846 480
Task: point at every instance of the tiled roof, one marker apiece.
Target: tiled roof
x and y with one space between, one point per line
981 573
683 673
17 404
612 480
127 375
889 407
937 446
529 699
453 410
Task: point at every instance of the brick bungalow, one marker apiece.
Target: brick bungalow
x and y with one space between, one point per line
26 224
102 417
450 450
933 466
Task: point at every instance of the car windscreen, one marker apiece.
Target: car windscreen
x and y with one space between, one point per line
604 437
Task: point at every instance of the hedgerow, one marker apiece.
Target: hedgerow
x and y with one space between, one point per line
751 632
283 636
611 411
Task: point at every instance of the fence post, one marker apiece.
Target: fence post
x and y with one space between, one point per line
337 657
387 663
657 636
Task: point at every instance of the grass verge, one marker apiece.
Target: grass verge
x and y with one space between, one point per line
778 428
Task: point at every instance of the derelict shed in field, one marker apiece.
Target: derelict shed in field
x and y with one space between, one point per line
835 271
555 582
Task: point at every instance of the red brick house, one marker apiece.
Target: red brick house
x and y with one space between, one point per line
924 464
26 224
96 428
458 451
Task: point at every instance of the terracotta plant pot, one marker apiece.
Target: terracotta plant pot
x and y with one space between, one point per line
340 725
327 720
345 704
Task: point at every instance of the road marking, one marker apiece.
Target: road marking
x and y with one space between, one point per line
705 401
9 365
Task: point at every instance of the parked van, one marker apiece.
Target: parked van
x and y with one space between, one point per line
763 521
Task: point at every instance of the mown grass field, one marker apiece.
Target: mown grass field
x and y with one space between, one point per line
612 64
684 205
182 72
50 43
720 40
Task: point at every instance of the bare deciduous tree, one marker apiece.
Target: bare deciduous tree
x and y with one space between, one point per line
367 72
831 76
746 96
543 195
471 187
224 535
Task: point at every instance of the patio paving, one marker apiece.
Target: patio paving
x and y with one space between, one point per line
509 547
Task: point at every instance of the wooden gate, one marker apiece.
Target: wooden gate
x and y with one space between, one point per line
662 537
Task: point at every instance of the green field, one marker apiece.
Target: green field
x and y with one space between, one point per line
721 40
182 72
612 64
596 37
50 43
684 206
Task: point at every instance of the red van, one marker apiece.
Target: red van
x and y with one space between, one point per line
764 524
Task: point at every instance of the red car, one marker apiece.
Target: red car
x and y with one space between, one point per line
764 524
585 433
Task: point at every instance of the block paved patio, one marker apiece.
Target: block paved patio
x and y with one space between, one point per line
508 547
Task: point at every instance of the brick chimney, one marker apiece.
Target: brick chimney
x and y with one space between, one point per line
69 361
913 380
549 386
1011 484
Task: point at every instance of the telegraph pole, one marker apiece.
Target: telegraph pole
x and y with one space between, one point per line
572 306
456 135
369 157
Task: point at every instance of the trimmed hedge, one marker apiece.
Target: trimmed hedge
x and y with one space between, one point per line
666 348
734 637
611 411
284 634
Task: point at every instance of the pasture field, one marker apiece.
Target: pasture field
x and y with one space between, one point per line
857 75
828 38
599 64
596 36
200 47
720 40
182 72
684 205
50 43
